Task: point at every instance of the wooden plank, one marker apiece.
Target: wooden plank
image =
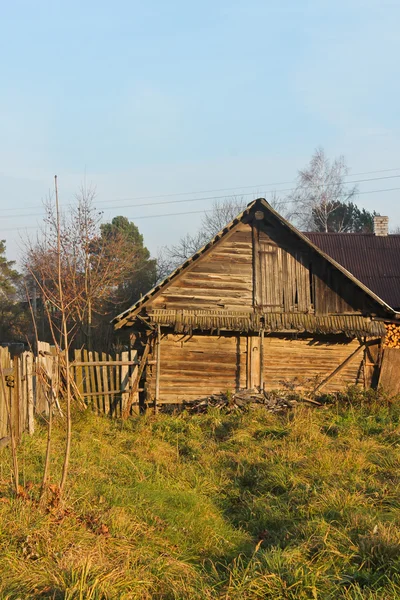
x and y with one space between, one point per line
158 365
99 384
29 388
78 371
257 298
262 359
87 377
104 363
4 423
118 382
124 382
389 378
105 383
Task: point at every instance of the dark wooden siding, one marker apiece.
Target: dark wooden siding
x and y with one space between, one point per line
292 277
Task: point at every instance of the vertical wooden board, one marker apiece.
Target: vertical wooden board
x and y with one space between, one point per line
118 412
255 360
87 378
106 370
49 373
248 362
124 381
3 399
257 291
389 376
19 395
299 282
287 291
93 386
78 372
30 398
132 379
113 385
261 366
14 400
99 384
371 362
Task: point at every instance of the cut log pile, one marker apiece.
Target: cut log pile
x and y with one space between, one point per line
242 401
392 338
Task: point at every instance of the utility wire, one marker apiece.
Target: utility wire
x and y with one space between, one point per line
197 212
204 198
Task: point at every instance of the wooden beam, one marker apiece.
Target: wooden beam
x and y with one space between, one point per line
339 368
104 363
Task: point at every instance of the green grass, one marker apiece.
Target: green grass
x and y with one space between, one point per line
243 506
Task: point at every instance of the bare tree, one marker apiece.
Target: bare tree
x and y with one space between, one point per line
321 190
92 266
221 213
75 270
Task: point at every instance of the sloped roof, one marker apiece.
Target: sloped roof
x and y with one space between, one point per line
373 259
126 318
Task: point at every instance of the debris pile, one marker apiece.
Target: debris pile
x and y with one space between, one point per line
244 400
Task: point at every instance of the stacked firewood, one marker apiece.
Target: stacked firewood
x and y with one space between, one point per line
242 401
392 338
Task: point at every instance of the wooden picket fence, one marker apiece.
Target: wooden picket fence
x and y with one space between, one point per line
106 381
17 383
29 385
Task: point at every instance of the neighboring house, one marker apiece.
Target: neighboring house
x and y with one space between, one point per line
260 306
374 258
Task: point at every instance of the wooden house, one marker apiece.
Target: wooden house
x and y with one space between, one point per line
260 306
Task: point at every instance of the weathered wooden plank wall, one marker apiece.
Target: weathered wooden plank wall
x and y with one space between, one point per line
302 363
193 366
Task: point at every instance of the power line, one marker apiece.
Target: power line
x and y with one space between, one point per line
197 212
204 198
243 187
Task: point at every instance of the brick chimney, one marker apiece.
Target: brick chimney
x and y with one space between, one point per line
381 225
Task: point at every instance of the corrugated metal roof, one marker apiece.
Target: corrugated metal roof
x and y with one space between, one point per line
374 260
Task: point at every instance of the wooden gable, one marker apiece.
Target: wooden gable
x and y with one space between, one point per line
261 266
221 279
258 265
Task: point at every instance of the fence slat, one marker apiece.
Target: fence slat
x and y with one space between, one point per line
29 391
104 358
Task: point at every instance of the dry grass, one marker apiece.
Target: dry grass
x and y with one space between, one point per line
250 506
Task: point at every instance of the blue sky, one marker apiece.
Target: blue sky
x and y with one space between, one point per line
160 98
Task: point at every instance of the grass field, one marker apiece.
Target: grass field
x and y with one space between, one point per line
242 506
